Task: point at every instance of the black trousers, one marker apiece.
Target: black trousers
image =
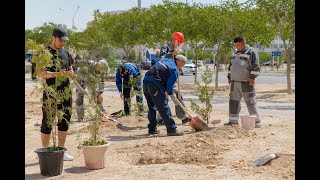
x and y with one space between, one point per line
48 112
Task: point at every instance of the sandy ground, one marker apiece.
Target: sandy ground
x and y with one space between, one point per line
218 153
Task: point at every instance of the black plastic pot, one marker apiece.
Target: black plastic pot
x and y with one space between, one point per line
51 162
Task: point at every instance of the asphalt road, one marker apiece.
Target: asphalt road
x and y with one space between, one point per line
263 78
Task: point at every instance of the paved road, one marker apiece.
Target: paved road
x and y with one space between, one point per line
263 78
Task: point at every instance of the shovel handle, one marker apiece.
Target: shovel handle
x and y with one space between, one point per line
285 154
77 83
107 117
178 82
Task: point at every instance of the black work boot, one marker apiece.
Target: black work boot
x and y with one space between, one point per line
231 124
258 124
154 132
175 133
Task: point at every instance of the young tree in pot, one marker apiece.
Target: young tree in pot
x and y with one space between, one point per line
51 157
205 94
90 74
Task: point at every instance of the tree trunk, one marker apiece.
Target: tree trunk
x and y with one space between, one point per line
217 61
288 56
196 69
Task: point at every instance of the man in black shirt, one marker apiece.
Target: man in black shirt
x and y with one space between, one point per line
61 63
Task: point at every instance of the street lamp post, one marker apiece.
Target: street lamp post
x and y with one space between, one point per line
74 16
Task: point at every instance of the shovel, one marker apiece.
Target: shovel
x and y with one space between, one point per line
109 118
104 115
196 122
180 113
268 157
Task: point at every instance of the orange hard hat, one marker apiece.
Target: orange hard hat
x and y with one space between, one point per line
178 36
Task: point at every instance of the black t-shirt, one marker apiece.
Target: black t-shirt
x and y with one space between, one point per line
62 57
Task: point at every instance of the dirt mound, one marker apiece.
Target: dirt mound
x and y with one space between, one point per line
196 148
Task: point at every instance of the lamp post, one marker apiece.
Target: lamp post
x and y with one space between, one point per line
74 16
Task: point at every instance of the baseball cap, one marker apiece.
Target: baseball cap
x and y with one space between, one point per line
61 33
181 57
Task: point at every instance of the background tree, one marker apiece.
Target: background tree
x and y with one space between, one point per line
281 14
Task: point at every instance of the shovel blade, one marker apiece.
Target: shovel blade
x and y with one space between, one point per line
180 113
198 124
264 159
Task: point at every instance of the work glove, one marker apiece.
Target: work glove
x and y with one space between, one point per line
251 82
174 99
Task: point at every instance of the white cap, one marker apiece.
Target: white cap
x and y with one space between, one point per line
103 62
181 57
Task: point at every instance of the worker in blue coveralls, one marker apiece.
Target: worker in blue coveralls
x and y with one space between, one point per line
127 76
158 81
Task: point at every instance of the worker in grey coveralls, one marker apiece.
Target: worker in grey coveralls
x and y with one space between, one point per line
170 51
97 69
243 69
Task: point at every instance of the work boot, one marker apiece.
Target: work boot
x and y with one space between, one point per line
154 132
67 157
175 133
185 120
231 124
258 124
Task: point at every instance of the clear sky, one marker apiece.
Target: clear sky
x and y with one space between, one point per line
65 11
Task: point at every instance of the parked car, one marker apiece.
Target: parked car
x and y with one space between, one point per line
145 65
199 63
188 68
268 63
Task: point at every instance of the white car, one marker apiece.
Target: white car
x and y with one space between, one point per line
199 63
188 68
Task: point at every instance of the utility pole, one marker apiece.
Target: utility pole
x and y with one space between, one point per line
139 4
185 44
74 16
139 49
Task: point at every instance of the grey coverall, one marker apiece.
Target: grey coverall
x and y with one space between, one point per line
244 65
83 81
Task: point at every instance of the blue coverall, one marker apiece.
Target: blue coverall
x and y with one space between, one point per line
127 76
157 81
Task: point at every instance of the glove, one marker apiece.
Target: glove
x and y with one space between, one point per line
251 82
174 99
